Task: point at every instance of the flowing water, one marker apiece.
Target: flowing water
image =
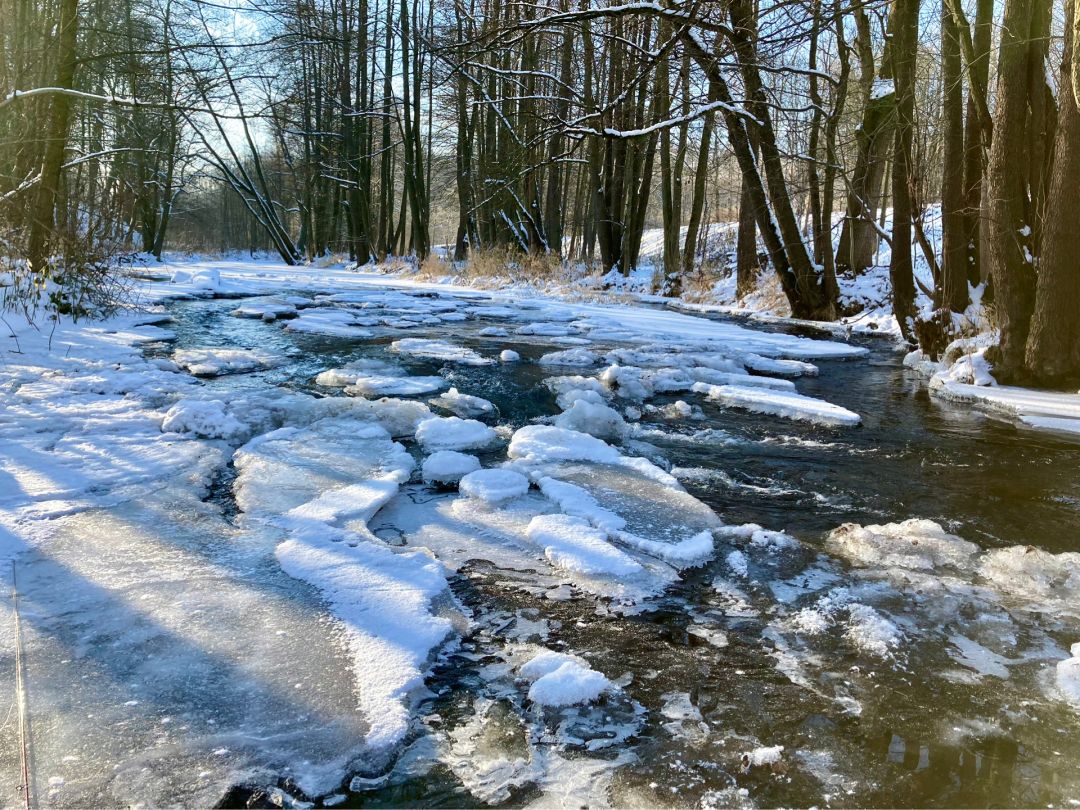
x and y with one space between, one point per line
709 671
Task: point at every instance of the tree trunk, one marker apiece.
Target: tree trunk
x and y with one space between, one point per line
905 20
1053 346
952 293
1009 218
42 224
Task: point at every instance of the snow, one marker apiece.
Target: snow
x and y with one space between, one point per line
464 405
207 419
569 685
328 322
381 385
786 404
212 362
448 466
454 433
439 350
559 679
509 356
596 419
539 444
570 357
766 755
574 544
493 486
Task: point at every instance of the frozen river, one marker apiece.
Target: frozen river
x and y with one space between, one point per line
420 547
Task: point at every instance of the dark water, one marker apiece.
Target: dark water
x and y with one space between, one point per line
913 456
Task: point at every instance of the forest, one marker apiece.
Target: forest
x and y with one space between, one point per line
375 129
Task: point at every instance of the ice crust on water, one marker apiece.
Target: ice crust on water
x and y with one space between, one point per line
454 433
213 362
350 373
786 404
448 466
322 484
439 350
574 544
329 322
377 385
464 405
539 444
493 486
570 357
916 543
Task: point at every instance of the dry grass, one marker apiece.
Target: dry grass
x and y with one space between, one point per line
496 266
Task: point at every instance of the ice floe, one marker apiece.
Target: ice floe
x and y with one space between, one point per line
454 433
439 350
786 404
212 362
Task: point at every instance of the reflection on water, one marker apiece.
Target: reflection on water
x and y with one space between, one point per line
925 732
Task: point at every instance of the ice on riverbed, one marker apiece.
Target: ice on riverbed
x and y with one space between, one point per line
454 433
493 486
213 362
786 404
439 350
448 466
464 405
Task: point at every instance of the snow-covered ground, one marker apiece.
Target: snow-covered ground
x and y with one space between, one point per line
225 583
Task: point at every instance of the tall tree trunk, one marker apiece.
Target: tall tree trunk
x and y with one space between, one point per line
42 223
1053 346
952 294
904 43
1009 249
